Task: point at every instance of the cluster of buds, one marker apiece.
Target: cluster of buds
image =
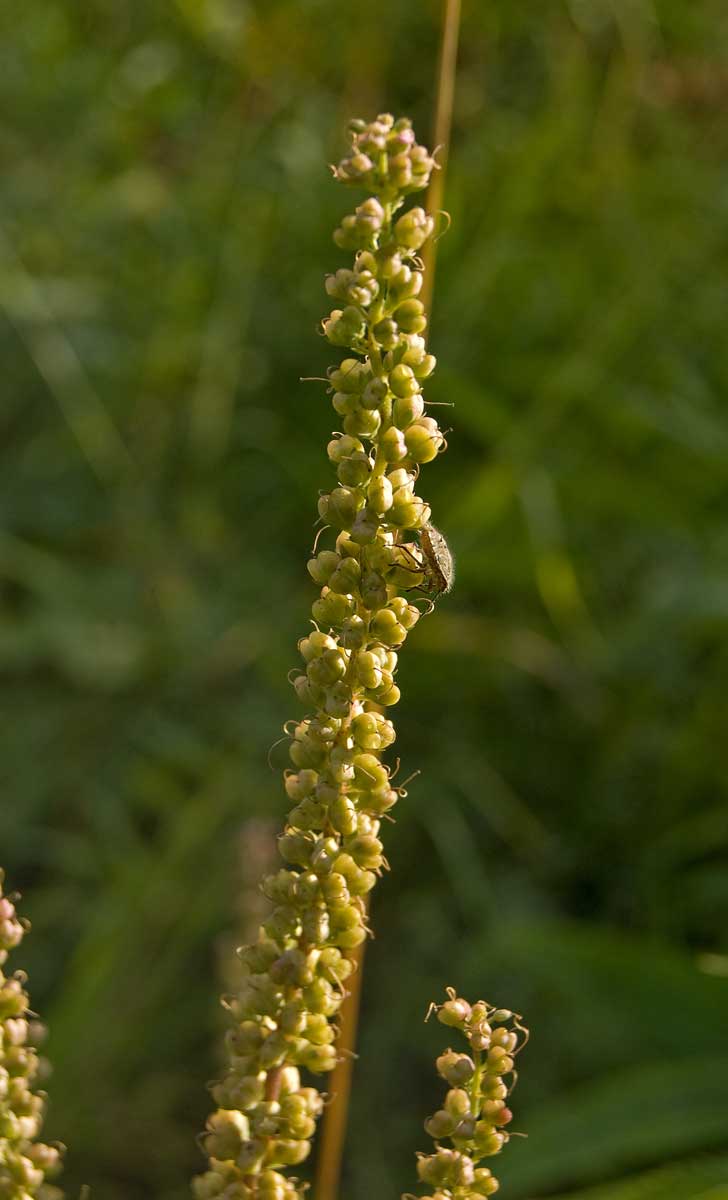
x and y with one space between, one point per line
25 1164
295 974
385 158
475 1112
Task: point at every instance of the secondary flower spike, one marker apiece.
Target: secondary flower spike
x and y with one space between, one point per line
475 1112
369 569
26 1164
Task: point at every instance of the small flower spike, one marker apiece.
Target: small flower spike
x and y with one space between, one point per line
26 1164
475 1113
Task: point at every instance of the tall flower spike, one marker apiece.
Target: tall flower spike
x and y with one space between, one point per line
282 1018
475 1111
25 1163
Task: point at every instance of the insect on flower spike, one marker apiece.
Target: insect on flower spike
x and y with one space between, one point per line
283 1019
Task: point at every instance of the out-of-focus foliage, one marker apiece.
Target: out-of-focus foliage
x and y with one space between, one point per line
165 219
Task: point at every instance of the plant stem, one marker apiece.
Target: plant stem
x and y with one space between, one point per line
446 75
333 1132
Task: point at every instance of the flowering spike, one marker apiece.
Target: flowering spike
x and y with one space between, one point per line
474 1113
377 545
25 1163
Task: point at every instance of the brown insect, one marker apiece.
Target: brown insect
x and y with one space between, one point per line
438 565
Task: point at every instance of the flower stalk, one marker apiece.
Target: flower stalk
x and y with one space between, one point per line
283 1018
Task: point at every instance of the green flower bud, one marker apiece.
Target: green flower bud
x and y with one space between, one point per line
455 1012
241 1091
457 1103
392 445
354 471
402 381
385 626
494 1089
373 590
316 643
405 284
209 1186
324 855
296 848
487 1141
424 440
448 1168
363 289
413 228
343 447
316 925
416 357
346 577
485 1184
440 1125
407 409
368 670
497 1112
358 880
330 610
407 614
349 377
465 1129
374 393
297 786
408 511
292 968
410 316
344 326
340 507
380 800
343 815
391 262
379 494
246 1038
320 996
457 1069
337 284
370 730
378 557
366 850
309 814
329 667
345 403
386 333
354 633
506 1039
338 699
321 567
318 1059
364 422
226 1131
272 1189
363 531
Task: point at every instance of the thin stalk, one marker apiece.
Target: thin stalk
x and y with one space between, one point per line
333 1133
446 75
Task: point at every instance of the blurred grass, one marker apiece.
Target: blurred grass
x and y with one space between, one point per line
165 218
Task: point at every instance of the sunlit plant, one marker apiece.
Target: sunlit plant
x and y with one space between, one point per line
380 563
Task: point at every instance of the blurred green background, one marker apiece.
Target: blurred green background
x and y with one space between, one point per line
165 226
